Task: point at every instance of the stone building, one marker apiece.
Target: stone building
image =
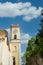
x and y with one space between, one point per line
4 37
14 44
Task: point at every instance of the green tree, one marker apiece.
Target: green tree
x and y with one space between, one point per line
35 45
39 37
31 51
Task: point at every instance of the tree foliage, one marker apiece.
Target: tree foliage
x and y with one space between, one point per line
32 50
39 37
35 45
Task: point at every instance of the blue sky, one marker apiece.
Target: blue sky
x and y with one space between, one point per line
29 23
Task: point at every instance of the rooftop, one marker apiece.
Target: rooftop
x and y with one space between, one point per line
3 32
16 25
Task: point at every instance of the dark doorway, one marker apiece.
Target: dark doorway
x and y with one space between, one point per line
15 36
13 60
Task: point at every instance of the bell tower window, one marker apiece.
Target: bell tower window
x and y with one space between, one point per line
15 36
13 60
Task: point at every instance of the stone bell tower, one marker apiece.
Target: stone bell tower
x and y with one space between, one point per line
15 43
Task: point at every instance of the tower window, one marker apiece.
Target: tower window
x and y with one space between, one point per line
15 36
13 60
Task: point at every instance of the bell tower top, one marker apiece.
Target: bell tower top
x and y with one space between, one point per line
15 32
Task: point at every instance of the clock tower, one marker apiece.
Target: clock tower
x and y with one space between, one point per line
15 43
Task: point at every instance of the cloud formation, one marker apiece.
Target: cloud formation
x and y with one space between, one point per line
25 37
26 10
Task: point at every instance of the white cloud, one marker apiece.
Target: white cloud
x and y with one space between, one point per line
22 54
33 12
8 30
25 37
26 10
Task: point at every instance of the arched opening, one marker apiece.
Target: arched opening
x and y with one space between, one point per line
13 60
15 48
15 36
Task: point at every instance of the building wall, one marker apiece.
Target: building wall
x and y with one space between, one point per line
15 52
15 43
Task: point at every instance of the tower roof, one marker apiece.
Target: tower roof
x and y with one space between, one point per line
15 25
3 32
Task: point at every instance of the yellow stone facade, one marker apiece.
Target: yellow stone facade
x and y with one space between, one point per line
15 43
4 36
